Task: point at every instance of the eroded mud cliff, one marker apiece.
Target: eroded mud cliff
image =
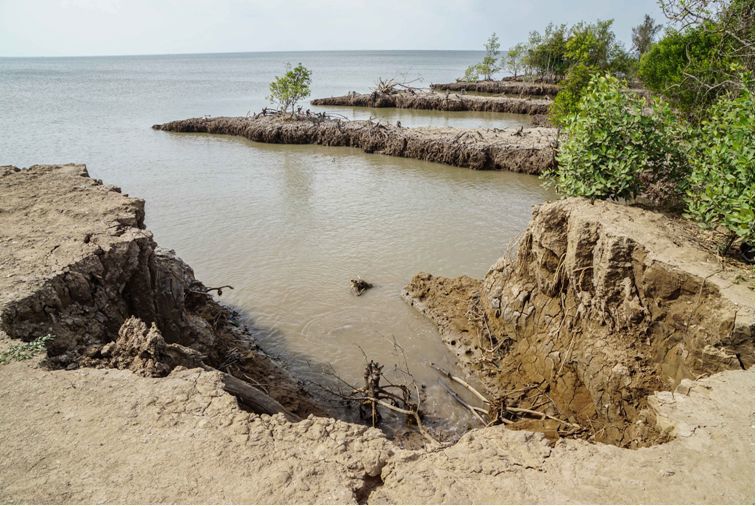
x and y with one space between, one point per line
78 264
600 306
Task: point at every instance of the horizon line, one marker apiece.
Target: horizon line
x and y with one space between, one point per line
126 55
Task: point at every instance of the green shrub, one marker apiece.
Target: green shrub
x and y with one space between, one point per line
721 183
617 147
290 88
680 66
566 102
25 351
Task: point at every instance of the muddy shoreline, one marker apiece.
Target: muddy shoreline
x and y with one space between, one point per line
526 150
440 101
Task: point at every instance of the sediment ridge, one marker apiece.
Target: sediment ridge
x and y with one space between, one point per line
527 150
601 305
521 88
436 101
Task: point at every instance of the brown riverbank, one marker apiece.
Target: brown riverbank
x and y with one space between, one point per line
528 150
440 101
600 305
73 252
521 88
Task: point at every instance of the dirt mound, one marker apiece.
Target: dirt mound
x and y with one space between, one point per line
439 102
601 306
530 150
143 351
523 88
78 263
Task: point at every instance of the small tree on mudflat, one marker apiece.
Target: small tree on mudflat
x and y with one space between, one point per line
490 63
513 60
287 90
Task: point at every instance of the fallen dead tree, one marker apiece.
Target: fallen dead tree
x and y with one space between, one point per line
531 151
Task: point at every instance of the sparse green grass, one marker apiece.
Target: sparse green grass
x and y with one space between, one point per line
25 351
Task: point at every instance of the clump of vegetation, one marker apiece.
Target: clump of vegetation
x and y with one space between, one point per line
25 351
287 90
721 182
514 59
567 100
619 148
707 53
546 53
489 65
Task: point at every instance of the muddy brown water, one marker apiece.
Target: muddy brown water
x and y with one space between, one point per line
287 226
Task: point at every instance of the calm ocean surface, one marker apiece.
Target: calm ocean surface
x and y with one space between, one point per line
287 226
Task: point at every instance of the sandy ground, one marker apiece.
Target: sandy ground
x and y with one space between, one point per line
96 435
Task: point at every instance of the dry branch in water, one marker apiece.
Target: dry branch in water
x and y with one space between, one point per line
392 86
497 410
360 286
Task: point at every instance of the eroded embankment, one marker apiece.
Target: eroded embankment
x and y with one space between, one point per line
446 101
522 88
78 264
529 150
601 306
73 254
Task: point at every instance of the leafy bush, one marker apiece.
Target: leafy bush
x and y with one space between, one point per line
683 67
722 180
566 102
618 147
25 351
290 88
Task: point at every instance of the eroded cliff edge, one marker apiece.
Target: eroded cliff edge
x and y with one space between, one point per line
78 264
600 306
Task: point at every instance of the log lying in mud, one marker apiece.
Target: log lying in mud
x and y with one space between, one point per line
527 88
531 151
439 102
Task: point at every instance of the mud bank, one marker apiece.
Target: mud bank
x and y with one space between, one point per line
601 305
118 433
439 102
78 264
522 88
528 150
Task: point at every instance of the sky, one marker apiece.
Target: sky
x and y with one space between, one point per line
128 27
